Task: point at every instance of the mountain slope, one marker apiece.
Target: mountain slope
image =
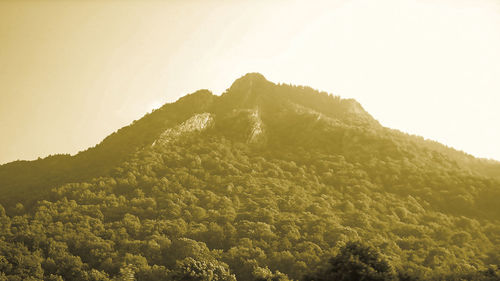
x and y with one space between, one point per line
28 181
261 179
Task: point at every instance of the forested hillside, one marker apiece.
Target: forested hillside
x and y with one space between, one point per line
265 182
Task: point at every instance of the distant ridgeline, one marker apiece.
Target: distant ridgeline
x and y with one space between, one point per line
265 182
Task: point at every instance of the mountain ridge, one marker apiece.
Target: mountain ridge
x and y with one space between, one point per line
245 93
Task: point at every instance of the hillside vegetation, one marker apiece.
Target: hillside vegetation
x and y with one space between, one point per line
265 182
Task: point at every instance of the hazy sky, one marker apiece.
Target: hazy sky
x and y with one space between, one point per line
73 72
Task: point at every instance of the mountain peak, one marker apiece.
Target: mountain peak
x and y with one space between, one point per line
249 80
253 76
247 90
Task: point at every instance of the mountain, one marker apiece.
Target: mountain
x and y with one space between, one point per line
264 182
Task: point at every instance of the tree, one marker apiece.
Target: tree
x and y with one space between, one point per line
355 262
190 269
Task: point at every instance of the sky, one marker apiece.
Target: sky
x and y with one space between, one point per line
73 72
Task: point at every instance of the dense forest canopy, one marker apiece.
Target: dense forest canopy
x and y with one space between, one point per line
265 182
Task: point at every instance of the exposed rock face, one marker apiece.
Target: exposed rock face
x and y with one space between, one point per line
257 129
198 122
